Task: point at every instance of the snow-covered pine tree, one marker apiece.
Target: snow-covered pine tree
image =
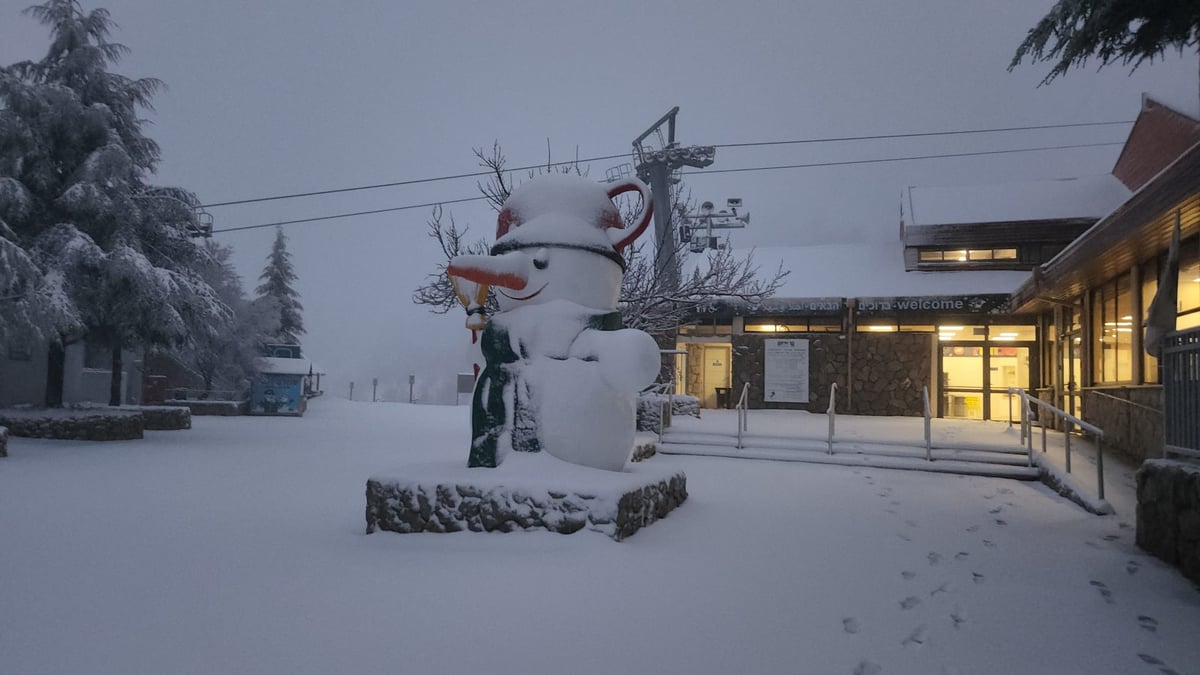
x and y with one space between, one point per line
228 356
113 251
1129 31
277 278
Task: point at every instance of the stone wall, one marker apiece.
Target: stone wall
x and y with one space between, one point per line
99 425
3 441
166 418
1168 513
1131 430
408 507
889 371
827 364
218 408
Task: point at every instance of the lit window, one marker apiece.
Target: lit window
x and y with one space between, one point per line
984 254
931 256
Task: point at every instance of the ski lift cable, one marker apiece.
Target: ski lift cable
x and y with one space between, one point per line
903 159
708 171
479 174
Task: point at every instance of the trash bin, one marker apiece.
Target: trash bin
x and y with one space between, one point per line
723 397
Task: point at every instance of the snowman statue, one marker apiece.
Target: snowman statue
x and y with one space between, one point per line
561 374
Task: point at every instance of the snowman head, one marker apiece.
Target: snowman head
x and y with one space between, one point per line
558 237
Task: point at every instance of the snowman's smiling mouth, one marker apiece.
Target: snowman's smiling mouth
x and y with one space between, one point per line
523 297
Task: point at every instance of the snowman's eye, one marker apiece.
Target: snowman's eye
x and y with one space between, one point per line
540 263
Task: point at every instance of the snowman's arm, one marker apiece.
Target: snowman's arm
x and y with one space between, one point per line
629 359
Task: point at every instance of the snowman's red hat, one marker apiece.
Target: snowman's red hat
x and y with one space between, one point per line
563 211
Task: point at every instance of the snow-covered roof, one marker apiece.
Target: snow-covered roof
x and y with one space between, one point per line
1060 199
1182 102
874 269
282 366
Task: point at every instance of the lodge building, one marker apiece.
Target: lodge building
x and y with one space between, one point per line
1041 286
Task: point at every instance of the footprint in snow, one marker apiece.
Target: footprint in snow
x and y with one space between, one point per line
958 616
908 575
989 543
868 668
1124 525
910 523
1001 522
996 510
891 511
944 588
903 536
1148 623
961 555
934 558
1132 567
850 625
973 528
910 602
977 577
1005 491
1111 537
916 638
1155 661
1105 592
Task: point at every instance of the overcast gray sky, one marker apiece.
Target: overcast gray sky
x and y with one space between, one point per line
283 96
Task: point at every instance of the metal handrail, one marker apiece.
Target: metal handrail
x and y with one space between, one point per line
1027 432
1123 400
742 413
832 412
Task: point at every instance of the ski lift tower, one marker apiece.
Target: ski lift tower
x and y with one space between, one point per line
655 166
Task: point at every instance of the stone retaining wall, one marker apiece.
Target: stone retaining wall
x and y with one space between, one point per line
217 408
407 507
99 425
1131 430
1168 513
166 418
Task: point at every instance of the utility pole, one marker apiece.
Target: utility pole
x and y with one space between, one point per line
655 167
411 380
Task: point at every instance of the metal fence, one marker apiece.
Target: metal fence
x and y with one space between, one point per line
1181 392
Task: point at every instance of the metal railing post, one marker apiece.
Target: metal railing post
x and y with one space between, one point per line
1029 425
1100 465
831 412
928 434
1067 438
662 413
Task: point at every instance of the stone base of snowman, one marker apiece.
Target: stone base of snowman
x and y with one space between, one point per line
553 411
525 493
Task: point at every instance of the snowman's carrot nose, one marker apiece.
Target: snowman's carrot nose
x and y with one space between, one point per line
507 271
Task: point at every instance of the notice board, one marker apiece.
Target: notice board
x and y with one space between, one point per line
785 377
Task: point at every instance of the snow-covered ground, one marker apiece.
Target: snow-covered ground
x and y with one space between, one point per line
238 547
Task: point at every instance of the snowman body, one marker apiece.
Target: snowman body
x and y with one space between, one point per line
561 373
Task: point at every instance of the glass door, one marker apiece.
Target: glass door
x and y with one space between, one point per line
1072 364
1009 368
962 381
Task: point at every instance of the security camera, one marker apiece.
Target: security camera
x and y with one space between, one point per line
734 202
706 208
